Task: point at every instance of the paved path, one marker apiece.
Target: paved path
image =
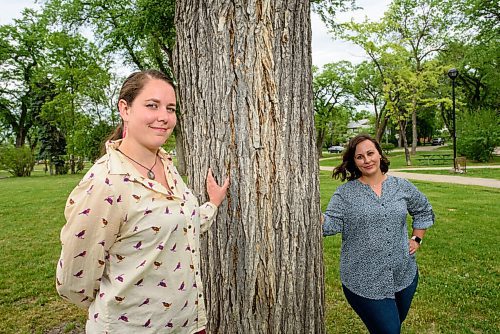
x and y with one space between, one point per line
445 168
476 181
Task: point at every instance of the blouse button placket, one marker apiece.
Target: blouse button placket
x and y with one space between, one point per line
194 254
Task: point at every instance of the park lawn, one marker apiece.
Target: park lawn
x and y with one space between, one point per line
488 173
458 291
398 160
31 217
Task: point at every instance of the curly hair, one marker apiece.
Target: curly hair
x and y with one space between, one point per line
347 169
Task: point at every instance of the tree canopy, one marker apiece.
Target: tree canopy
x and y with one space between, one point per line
410 51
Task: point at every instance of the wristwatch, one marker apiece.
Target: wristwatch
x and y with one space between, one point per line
417 239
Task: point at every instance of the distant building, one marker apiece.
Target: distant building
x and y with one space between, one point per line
355 127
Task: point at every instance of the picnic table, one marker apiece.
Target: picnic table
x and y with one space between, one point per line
435 157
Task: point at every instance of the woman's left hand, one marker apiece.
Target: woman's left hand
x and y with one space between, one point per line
414 246
216 193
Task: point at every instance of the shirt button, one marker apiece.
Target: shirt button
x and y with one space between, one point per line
172 187
200 295
192 251
387 229
189 226
196 273
182 204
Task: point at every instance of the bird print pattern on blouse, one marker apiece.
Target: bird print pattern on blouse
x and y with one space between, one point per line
131 250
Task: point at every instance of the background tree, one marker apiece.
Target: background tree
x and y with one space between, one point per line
140 32
332 93
245 84
53 148
398 84
18 161
80 76
329 9
371 76
89 137
50 77
417 30
367 87
421 26
21 56
479 133
428 124
475 53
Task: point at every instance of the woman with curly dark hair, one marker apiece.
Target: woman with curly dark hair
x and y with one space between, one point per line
378 269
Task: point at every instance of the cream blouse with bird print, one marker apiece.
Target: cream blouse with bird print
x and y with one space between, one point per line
130 250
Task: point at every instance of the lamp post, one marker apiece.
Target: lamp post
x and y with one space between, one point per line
453 74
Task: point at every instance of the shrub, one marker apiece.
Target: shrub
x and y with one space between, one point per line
387 147
87 141
478 134
17 161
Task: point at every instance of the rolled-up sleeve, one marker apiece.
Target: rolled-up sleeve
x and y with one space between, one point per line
334 215
93 217
419 208
207 216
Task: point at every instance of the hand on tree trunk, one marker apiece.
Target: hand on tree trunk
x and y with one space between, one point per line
216 193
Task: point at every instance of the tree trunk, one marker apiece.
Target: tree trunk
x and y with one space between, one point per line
179 147
402 135
381 129
320 140
414 133
20 126
20 137
446 117
245 89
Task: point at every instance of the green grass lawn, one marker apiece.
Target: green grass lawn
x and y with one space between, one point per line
488 173
31 217
459 282
398 159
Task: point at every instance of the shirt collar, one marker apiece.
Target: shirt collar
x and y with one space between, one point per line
119 165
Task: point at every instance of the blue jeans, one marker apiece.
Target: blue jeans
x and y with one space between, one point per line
383 316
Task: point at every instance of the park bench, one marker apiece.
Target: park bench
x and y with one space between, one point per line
461 162
435 158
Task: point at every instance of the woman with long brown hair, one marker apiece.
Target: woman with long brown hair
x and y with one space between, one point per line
130 246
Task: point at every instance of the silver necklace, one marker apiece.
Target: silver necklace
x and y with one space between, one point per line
151 175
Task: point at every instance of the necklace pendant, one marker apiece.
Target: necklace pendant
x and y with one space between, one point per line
151 175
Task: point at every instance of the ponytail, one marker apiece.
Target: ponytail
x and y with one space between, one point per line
115 135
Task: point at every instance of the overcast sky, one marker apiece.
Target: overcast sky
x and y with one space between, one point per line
324 48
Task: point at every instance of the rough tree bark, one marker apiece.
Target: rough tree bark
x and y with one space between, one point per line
179 147
245 89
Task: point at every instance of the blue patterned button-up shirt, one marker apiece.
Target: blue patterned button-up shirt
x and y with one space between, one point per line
375 260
